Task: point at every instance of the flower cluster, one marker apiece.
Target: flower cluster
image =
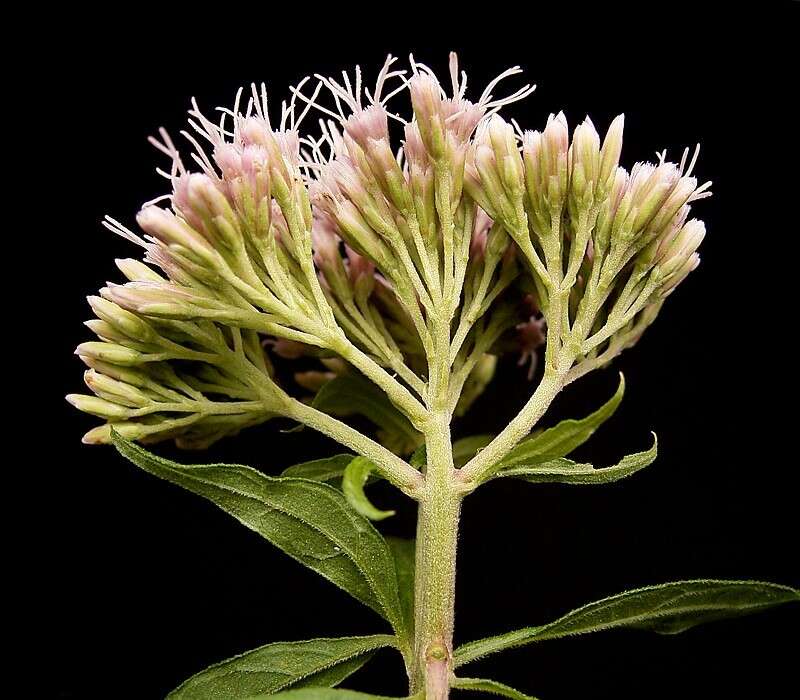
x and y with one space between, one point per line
604 247
414 266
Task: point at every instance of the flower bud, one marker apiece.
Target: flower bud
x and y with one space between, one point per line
283 152
679 275
137 271
368 124
98 407
674 202
486 165
386 169
101 435
161 299
426 100
681 248
610 153
134 377
128 323
206 208
105 331
114 390
507 155
110 352
546 159
172 231
585 154
359 234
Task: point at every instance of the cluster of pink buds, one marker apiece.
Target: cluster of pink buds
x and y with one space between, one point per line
467 240
604 247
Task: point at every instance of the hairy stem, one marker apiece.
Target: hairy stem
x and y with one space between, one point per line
434 594
398 394
485 462
394 469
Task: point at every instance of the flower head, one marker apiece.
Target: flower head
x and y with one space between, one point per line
344 247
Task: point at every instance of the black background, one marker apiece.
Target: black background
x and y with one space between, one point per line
146 584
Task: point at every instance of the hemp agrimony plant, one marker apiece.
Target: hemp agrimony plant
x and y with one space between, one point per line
400 274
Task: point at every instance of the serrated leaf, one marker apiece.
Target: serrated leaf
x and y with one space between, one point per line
354 479
282 665
563 438
464 450
326 469
484 685
404 553
350 394
565 471
308 520
667 608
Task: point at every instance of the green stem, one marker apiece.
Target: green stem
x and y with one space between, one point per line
485 462
398 394
434 594
394 469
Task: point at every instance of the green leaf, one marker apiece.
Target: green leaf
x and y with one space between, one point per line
667 608
355 477
327 469
310 521
404 553
282 665
563 438
484 685
349 394
325 694
565 471
463 450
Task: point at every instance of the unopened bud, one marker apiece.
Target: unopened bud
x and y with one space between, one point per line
130 324
612 148
115 390
426 99
172 231
98 407
137 271
101 435
585 159
110 352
